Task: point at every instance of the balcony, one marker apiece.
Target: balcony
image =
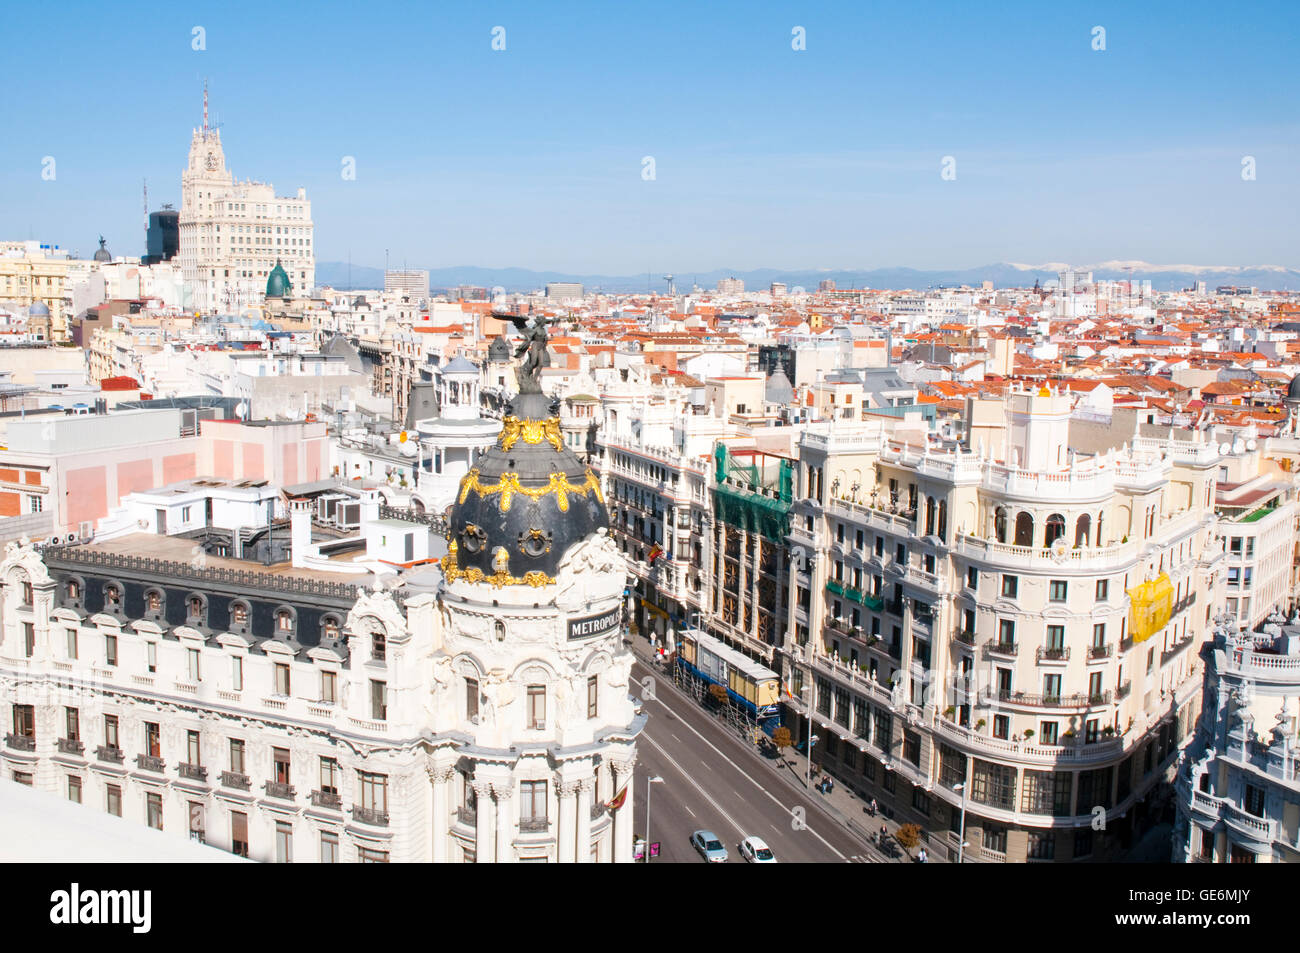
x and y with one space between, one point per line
368 815
109 753
534 825
1051 654
467 815
149 762
996 648
71 746
1100 651
327 799
1029 700
1123 690
192 772
20 742
1174 650
233 779
962 637
279 789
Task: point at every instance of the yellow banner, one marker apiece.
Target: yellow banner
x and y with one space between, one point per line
1152 603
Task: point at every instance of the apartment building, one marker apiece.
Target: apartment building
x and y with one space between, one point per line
1018 614
1239 784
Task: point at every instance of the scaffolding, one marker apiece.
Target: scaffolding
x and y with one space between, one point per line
753 496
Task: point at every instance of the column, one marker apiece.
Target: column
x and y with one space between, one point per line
586 788
566 828
483 832
757 576
505 823
440 778
623 817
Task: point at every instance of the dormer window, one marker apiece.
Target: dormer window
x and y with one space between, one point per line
74 589
330 628
239 614
112 596
379 646
195 609
154 601
284 621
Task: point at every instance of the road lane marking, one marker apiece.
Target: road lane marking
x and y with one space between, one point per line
743 772
695 784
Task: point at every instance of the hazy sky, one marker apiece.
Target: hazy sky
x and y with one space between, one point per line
764 156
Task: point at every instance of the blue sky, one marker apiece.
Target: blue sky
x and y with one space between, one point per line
828 157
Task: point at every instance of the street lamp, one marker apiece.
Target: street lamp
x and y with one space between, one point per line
961 833
649 786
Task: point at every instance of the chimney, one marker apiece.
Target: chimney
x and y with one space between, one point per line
299 531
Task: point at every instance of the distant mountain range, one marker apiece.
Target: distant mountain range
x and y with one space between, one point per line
1003 275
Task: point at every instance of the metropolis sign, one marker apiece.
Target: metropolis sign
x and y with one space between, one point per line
588 626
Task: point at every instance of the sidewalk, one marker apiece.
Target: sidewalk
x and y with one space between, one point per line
844 807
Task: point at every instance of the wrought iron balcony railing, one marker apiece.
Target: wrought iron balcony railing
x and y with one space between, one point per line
233 779
109 753
148 762
71 746
327 799
20 742
194 772
368 815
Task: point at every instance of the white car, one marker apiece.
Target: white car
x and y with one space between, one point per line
756 851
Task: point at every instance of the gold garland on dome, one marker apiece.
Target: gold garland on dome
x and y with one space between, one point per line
508 485
451 571
531 431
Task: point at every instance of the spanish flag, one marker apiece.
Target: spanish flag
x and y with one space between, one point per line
655 552
619 798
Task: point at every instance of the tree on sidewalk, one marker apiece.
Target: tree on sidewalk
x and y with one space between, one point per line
908 836
782 739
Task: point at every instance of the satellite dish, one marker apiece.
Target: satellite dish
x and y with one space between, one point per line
1251 444
1224 449
241 410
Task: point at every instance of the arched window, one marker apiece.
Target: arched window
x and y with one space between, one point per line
929 516
379 645
1024 529
1083 531
153 600
238 613
195 608
1100 518
330 627
284 620
1000 524
943 520
1055 529
112 596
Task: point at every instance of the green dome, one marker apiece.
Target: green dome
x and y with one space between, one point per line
277 283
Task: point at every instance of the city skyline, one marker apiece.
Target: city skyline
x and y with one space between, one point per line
765 156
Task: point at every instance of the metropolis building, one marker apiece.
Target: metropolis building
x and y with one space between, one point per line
473 709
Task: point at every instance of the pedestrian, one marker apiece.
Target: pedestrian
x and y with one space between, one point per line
920 857
884 834
874 808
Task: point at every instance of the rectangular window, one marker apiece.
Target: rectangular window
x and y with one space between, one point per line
912 748
113 800
1046 792
283 842
1010 586
110 731
236 756
197 824
280 765
374 791
471 698
1058 590
536 706
1099 635
1051 688
972 577
281 678
1047 732
193 752
1103 589
1001 726
532 801
329 847
110 650
153 810
74 789
1253 802
993 784
237 673
1055 639
921 801
239 833
368 856
72 642
29 638
1041 845
152 739
378 702
329 776
25 721
593 696
329 687
1007 633
151 656
72 724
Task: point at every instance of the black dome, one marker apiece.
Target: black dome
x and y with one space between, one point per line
523 503
1293 389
